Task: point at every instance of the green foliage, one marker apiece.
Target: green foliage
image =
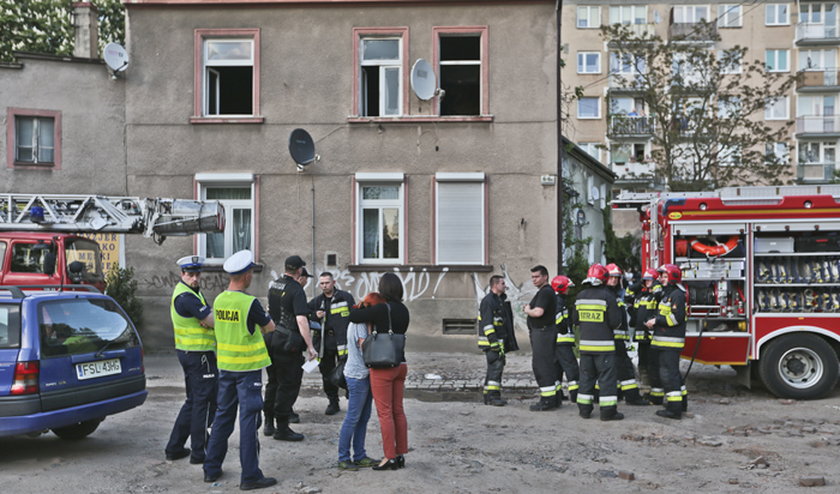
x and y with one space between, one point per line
46 26
574 256
122 287
623 251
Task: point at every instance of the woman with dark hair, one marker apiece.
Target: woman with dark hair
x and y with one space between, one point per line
388 385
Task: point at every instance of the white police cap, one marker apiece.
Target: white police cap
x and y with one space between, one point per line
191 263
239 262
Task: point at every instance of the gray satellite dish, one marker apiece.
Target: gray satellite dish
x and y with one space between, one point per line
302 148
423 81
115 57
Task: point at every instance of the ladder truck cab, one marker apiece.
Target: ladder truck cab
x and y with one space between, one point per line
35 258
761 266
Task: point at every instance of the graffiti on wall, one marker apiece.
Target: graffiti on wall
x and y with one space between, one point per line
210 282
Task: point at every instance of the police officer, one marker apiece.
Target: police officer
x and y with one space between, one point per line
597 315
495 325
626 373
564 350
289 310
195 345
541 312
647 295
668 341
242 356
332 308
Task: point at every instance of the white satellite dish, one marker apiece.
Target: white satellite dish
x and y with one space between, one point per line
115 57
423 81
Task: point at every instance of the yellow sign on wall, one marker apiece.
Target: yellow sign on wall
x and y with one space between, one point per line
110 248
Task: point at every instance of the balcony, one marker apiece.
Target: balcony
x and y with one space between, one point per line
813 125
817 34
818 80
625 82
692 32
637 32
815 172
631 126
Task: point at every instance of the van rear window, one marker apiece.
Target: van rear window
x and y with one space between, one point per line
9 325
83 325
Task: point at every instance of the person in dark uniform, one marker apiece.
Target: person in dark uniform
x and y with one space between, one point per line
289 310
647 297
564 350
239 319
597 315
543 332
668 341
625 372
332 308
195 345
495 324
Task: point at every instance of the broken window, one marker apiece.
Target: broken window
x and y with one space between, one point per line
460 74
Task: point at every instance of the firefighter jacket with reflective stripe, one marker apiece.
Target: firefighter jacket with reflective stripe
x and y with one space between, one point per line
597 315
238 349
631 295
669 330
190 335
646 304
336 319
494 323
621 333
565 335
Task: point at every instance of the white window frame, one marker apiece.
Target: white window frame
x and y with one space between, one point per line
689 14
384 179
35 145
730 15
822 148
822 59
384 66
780 150
597 108
628 14
774 54
778 109
206 181
778 10
591 148
207 70
635 64
474 179
729 69
584 56
586 14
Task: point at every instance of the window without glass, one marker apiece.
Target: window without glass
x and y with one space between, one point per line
380 220
628 14
777 60
34 139
460 222
776 14
588 16
237 200
729 15
589 108
589 62
460 74
381 83
228 77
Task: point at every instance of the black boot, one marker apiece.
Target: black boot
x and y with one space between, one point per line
268 427
333 407
573 397
284 433
685 403
669 414
610 413
495 399
546 403
632 397
585 411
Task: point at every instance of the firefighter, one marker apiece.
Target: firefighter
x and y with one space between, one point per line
332 308
647 297
495 324
541 312
564 350
597 314
625 372
668 327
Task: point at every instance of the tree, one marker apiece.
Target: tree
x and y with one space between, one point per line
122 287
704 108
46 26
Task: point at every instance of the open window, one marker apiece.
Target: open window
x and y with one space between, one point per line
227 73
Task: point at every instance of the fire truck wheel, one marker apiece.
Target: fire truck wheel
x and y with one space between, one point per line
799 366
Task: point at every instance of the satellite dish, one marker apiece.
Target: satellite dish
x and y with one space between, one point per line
115 57
423 81
302 148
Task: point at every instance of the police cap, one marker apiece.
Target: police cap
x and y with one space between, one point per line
191 263
239 262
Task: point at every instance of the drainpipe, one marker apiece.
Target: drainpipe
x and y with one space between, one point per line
560 148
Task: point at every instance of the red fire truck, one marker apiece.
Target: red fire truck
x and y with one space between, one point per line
761 266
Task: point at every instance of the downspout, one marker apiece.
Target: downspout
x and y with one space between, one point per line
560 148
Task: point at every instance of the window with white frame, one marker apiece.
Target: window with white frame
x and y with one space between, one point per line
381 73
588 62
817 60
589 107
729 15
380 218
728 155
816 12
228 75
627 63
730 61
777 109
588 17
459 218
776 14
817 152
35 139
729 106
460 73
592 149
777 152
690 14
236 192
628 14
777 60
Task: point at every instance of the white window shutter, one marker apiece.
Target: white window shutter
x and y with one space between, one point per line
460 222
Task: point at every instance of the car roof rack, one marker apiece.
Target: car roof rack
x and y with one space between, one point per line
17 290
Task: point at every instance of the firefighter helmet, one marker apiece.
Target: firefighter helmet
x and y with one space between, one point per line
596 275
673 272
614 270
561 284
649 274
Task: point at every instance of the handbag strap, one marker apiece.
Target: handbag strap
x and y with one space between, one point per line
390 331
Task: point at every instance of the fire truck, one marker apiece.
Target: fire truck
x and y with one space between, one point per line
761 266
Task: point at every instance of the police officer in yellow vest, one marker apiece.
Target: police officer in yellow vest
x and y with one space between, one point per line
195 344
239 319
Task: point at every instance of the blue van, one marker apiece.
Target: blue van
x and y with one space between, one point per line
68 359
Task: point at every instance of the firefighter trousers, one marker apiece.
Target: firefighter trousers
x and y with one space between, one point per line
597 368
564 355
543 341
495 366
657 391
625 372
672 381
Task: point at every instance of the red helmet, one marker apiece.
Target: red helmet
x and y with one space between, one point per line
596 275
650 274
614 270
673 272
561 284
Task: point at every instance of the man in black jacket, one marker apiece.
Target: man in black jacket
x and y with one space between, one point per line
495 324
541 314
564 350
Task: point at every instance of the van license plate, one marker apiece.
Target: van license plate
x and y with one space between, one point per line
100 368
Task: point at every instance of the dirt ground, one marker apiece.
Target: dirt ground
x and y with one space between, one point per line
733 440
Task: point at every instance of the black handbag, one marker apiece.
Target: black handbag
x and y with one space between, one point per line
384 350
336 377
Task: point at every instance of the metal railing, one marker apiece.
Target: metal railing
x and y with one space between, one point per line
631 125
692 31
815 124
815 31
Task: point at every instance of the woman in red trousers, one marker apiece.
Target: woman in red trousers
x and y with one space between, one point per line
388 385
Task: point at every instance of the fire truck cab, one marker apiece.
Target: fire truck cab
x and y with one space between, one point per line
761 266
39 258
